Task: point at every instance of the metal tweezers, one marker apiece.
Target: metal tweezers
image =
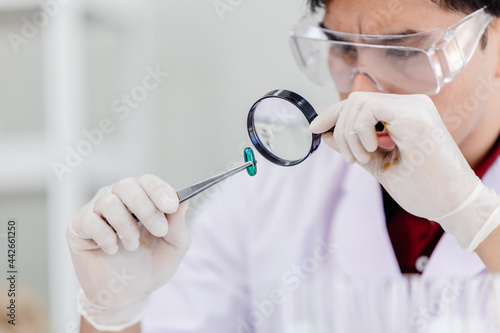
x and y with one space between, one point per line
195 189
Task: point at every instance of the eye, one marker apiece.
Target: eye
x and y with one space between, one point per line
402 54
345 50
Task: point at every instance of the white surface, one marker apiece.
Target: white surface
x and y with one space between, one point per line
18 4
64 97
191 127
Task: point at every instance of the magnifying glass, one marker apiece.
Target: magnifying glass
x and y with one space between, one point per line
278 125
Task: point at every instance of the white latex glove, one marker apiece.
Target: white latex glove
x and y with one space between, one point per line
426 173
119 264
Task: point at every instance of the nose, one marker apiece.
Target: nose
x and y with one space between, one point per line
363 82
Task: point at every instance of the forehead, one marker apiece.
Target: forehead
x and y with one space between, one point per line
386 17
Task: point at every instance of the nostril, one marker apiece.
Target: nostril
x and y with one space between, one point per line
369 77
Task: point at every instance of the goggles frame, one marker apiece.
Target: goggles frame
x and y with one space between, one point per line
447 51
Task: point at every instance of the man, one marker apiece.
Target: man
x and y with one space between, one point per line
261 238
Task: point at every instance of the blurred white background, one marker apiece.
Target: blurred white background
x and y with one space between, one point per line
63 67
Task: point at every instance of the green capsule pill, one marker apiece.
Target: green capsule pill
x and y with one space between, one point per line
250 157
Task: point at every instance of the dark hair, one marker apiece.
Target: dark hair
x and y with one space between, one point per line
465 6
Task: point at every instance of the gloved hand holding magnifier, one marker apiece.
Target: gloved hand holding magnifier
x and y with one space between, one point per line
278 125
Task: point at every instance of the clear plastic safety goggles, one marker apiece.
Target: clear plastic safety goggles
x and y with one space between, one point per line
418 63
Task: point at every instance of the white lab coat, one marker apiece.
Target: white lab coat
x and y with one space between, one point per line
257 231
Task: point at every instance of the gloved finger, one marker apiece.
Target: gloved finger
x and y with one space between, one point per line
161 193
352 136
326 119
178 235
387 111
139 203
117 215
184 207
365 127
92 226
340 133
330 140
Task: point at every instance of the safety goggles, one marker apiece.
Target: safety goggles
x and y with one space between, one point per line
417 63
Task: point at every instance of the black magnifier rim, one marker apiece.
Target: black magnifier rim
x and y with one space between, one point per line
303 105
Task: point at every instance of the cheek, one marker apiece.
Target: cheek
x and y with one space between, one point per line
460 104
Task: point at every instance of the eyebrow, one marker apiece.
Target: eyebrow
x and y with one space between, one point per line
408 41
405 32
397 33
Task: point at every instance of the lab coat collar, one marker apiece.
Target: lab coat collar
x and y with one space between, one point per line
364 247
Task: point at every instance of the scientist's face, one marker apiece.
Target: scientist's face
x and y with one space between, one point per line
465 104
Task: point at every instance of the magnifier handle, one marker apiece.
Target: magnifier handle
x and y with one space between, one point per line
379 127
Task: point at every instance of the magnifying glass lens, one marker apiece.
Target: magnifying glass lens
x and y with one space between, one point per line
278 125
282 129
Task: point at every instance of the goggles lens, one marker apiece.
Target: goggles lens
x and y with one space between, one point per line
419 63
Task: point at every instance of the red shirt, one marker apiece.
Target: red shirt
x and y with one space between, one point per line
414 238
